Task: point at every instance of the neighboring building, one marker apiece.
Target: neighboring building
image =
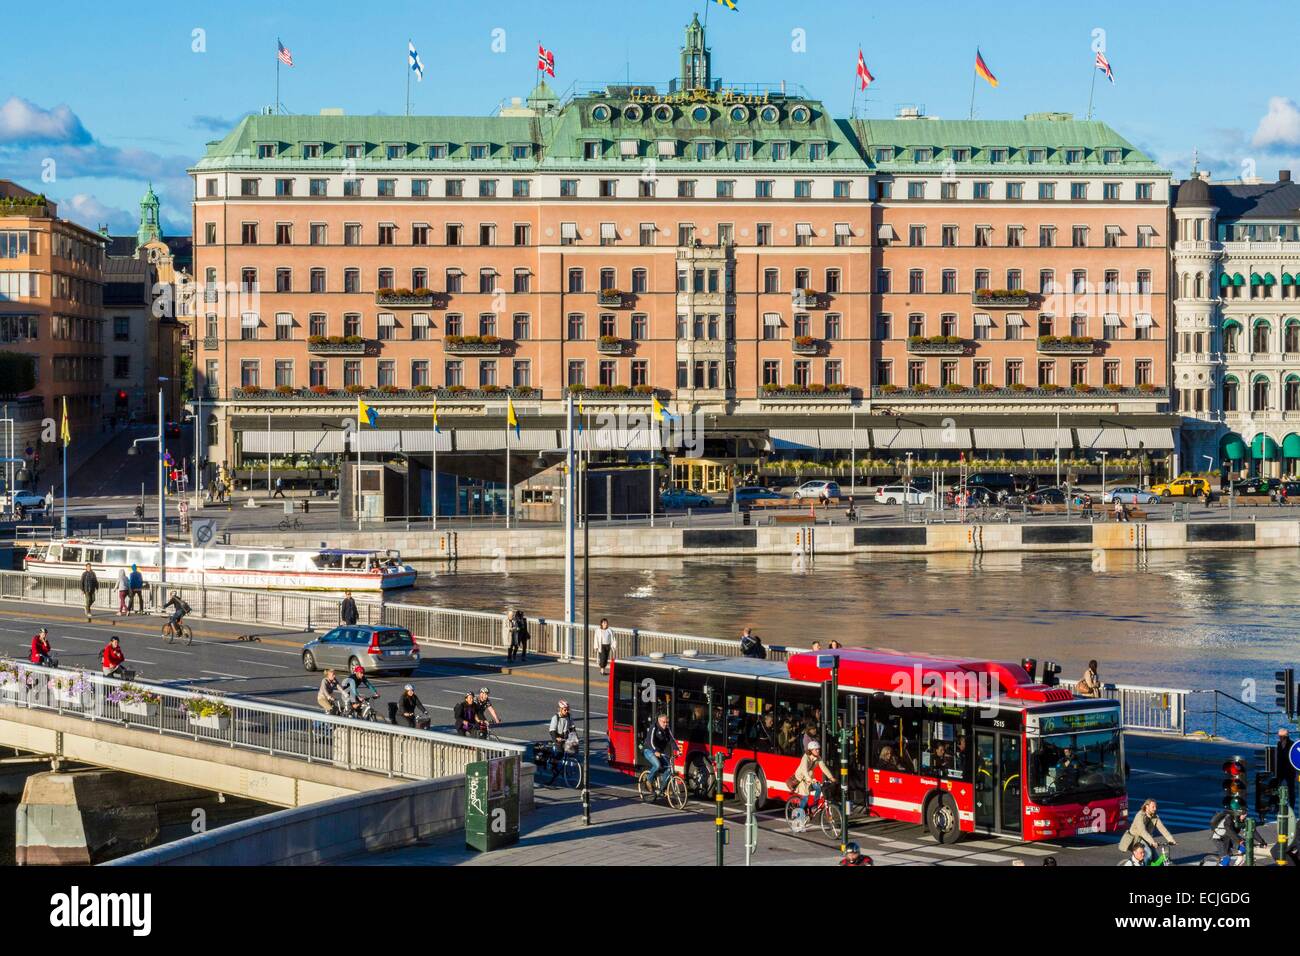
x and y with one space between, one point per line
720 246
1236 366
51 304
130 347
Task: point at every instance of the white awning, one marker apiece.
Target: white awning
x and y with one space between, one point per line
789 438
260 442
803 229
842 229
1048 438
667 147
896 439
627 147
372 440
494 439
284 318
1142 321
1111 319
846 438
387 318
568 230
619 439
420 320
1109 439
249 320
886 231
772 319
946 438
1151 439
982 320
608 231
1147 230
1015 320
416 440
997 438
1114 231
324 442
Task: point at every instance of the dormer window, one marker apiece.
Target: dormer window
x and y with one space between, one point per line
353 151
704 151
1038 155
923 154
478 151
997 155
960 154
1110 156
395 150
628 148
816 151
667 148
1074 155
265 150
520 151
780 151
437 150
884 154
311 150
591 149
742 150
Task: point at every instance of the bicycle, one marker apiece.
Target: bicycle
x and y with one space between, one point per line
290 524
178 630
564 766
675 790
821 810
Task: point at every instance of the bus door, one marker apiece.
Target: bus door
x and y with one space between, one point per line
997 781
654 696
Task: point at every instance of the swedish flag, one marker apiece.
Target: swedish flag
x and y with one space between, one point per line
661 413
729 4
435 417
581 412
511 418
367 414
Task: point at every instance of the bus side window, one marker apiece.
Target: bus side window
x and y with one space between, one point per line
797 709
623 696
943 749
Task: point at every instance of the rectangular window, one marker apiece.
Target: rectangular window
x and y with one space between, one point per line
885 372
454 188
283 327
521 327
249 373
521 373
453 372
916 189
317 374
1015 191
352 234
983 190
420 188
1078 190
248 233
387 373
420 373
1047 190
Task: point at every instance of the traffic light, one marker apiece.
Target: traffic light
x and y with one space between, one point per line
1030 665
1265 794
1234 784
1050 671
1285 690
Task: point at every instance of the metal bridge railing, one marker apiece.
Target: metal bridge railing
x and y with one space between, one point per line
236 722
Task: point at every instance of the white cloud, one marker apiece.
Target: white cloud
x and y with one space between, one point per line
85 209
23 122
1280 126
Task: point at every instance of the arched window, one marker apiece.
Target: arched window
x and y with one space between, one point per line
1230 394
1291 339
1200 285
1231 337
1259 394
1291 394
1259 336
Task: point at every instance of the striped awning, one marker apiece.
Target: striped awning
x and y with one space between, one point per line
1048 438
494 439
1110 439
620 439
942 438
996 438
1152 439
837 438
788 438
261 442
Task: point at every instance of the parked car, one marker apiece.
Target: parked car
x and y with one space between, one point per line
681 498
1001 484
1182 488
747 493
922 483
1130 495
1256 486
29 501
1046 496
377 648
817 488
902 494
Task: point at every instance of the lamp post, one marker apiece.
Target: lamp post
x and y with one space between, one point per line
162 491
9 462
1103 475
586 645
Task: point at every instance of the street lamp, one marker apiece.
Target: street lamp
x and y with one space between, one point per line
1103 475
162 491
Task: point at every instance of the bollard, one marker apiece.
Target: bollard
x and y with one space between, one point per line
720 830
751 821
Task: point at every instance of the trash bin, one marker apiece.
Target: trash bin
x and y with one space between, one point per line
492 803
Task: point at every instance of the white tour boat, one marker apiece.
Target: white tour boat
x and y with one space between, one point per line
226 566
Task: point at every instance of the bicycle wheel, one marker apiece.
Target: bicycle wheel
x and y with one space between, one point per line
189 634
791 806
644 788
572 772
170 632
831 819
676 793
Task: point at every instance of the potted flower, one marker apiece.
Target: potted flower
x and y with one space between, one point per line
69 688
208 713
135 701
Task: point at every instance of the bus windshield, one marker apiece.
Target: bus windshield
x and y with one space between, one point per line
1065 766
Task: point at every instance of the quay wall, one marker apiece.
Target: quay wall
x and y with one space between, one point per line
639 542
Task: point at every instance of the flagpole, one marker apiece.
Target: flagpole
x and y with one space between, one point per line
435 464
1092 89
408 77
357 482
973 80
277 74
508 493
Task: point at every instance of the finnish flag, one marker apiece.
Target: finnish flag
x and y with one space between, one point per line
417 65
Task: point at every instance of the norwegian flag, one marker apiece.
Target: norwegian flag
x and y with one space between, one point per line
863 73
545 61
283 53
1103 64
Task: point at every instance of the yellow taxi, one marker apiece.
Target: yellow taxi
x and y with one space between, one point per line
1182 488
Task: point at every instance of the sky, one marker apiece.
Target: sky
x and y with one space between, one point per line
137 90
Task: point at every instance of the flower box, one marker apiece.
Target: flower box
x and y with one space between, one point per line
804 345
610 298
146 710
1001 298
804 299
1052 345
472 345
939 345
337 348
218 722
609 345
401 299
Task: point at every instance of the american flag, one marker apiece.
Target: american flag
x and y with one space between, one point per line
1103 64
283 53
545 60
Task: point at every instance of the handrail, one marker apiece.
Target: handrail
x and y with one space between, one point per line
236 722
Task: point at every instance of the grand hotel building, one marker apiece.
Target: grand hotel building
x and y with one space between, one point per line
945 286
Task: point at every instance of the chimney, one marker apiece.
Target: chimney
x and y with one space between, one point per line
1284 175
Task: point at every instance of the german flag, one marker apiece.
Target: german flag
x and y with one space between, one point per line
982 69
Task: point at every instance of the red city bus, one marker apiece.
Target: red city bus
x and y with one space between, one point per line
962 746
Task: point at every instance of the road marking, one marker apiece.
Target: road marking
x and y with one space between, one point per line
164 650
283 667
231 676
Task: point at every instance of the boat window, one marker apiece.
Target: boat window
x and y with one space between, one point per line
328 562
259 561
215 560
236 560
94 555
71 555
115 555
136 556
282 562
54 553
180 556
355 562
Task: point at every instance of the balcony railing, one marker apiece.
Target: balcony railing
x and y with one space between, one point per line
350 345
1001 299
472 345
939 345
1051 345
837 394
610 299
403 299
1089 393
805 345
805 299
610 345
209 342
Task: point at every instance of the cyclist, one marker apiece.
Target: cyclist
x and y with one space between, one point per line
1137 856
808 786
327 696
853 856
1146 824
560 729
483 710
41 649
355 686
1227 830
464 714
113 658
179 610
408 704
660 749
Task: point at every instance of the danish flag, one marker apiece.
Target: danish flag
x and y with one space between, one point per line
863 73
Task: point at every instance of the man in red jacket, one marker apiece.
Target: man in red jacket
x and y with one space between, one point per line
113 656
41 648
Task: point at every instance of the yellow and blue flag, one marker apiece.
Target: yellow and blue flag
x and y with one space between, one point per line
367 414
436 429
581 412
64 432
661 413
511 418
729 4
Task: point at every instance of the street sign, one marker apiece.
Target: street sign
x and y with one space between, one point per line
1294 755
826 661
202 531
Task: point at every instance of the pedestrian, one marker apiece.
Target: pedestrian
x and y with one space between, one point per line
123 591
136 580
1286 772
1089 685
512 623
524 636
49 501
279 488
1121 514
348 609
89 587
605 644
751 645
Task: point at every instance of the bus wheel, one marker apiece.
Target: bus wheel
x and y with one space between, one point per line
941 819
752 775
